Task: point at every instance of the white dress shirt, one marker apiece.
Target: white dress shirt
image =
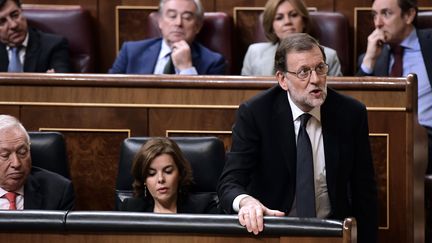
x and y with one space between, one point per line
163 60
19 201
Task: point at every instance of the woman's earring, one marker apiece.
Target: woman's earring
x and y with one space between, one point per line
145 190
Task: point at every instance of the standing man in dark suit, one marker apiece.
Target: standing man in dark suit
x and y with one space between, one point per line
395 28
176 52
21 185
265 171
23 49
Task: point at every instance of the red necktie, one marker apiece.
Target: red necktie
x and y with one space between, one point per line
396 70
11 196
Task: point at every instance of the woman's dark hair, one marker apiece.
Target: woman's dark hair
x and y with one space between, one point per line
148 152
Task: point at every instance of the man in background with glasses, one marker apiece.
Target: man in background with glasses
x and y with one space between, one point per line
21 185
301 149
24 49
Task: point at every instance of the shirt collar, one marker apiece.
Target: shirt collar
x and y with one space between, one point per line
296 111
165 50
24 44
20 191
411 41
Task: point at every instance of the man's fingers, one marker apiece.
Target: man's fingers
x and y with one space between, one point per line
253 221
260 220
247 220
270 212
242 218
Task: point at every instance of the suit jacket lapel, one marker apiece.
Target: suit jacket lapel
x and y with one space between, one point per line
149 64
4 60
425 40
147 60
330 125
32 52
196 54
383 62
283 132
32 195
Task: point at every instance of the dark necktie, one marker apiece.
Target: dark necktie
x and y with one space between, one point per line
305 190
11 196
396 70
169 67
14 62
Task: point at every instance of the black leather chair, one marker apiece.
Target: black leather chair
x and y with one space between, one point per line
205 154
48 151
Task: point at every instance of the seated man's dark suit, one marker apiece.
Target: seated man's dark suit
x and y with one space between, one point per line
140 57
262 160
202 203
382 64
48 190
44 51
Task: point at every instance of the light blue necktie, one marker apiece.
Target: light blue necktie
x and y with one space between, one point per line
14 62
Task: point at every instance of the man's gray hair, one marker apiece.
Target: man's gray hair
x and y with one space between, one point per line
7 121
297 42
199 13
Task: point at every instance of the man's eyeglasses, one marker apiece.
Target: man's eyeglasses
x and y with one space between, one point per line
305 72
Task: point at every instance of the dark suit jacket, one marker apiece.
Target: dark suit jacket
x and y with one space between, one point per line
262 160
382 65
48 190
140 57
44 51
199 203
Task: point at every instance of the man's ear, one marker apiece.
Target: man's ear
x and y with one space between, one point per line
282 80
410 15
198 26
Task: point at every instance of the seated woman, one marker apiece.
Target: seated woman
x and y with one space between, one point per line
162 177
281 19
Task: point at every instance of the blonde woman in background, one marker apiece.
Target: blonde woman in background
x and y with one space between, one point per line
281 18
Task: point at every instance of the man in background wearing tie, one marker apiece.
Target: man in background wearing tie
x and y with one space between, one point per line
396 48
21 185
176 52
301 149
24 49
